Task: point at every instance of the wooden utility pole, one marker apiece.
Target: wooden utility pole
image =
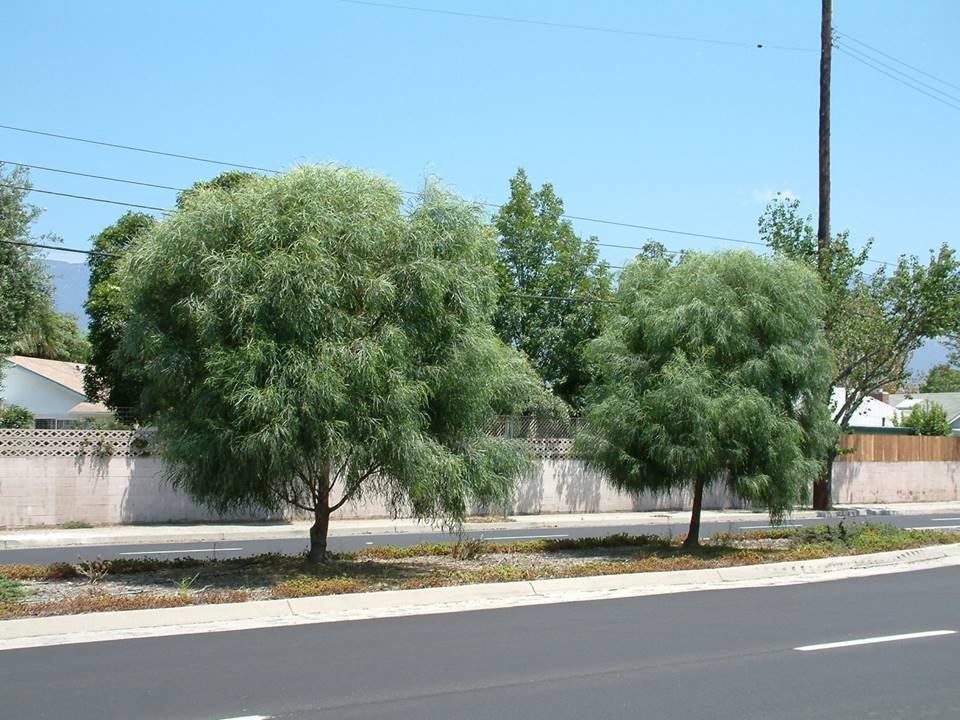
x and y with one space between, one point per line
823 224
823 489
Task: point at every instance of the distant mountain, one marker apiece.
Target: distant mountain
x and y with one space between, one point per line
70 282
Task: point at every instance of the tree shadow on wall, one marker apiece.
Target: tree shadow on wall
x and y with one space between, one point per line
579 489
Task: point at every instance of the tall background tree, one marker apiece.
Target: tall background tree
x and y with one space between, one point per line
24 283
713 370
29 324
874 319
302 342
108 378
541 257
941 378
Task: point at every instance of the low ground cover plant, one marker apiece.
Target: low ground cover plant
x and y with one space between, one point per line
133 583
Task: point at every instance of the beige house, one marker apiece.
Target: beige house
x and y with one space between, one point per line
51 389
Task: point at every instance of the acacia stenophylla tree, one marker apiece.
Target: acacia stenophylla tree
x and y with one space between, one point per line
713 369
305 340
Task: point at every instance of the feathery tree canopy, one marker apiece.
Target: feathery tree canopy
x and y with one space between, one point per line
25 291
303 341
712 370
541 255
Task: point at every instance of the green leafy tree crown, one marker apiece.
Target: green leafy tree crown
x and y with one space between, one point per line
542 262
928 418
303 342
941 378
25 292
109 378
713 370
874 319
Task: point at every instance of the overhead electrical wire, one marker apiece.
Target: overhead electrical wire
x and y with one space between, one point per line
567 216
138 149
897 60
907 79
890 75
571 26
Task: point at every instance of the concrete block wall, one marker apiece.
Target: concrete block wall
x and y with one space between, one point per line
37 490
894 482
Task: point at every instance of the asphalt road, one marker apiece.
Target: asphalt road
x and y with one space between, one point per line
720 655
244 548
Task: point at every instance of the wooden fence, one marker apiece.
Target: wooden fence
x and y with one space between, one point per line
899 448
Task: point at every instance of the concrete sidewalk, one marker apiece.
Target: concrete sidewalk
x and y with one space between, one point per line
103 626
158 534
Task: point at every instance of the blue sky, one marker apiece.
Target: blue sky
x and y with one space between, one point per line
692 136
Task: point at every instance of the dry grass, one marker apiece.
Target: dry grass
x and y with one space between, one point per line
142 584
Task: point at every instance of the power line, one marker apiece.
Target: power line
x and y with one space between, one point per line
581 218
901 62
909 77
89 175
890 75
85 197
59 248
495 206
570 26
138 149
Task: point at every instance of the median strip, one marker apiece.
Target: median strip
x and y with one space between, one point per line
875 640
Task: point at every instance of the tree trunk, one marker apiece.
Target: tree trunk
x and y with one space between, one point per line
318 534
693 534
823 488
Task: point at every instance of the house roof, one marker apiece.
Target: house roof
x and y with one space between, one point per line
949 401
68 375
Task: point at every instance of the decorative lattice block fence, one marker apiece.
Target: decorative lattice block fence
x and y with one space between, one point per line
73 443
135 443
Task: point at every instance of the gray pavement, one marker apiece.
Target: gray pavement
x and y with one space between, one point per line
722 655
500 533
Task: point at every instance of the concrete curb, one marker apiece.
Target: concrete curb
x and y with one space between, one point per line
159 534
98 627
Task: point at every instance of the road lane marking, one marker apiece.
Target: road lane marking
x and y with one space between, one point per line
767 527
944 519
525 537
248 717
935 527
873 640
184 550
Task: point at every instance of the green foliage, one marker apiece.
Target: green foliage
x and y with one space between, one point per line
941 378
927 418
76 525
54 336
713 370
541 255
14 416
302 334
10 591
108 378
24 284
226 181
875 320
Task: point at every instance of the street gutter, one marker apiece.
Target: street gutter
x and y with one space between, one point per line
104 626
